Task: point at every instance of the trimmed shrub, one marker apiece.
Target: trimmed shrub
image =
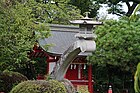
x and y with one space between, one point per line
82 89
39 86
9 79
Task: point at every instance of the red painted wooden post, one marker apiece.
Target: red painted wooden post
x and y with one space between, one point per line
90 86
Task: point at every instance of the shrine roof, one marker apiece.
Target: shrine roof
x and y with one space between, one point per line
62 36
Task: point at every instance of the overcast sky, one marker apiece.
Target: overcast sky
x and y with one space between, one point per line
103 12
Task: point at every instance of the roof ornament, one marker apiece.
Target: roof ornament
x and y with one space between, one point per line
86 13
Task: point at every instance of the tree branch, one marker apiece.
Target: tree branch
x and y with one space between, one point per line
128 4
131 9
136 1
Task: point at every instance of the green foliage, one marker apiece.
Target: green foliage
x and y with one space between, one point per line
118 44
58 12
82 89
40 66
115 6
86 6
9 79
137 73
134 16
106 75
17 33
117 52
137 79
39 86
19 20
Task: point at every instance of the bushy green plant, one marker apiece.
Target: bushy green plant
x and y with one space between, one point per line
8 79
117 53
83 89
39 86
137 80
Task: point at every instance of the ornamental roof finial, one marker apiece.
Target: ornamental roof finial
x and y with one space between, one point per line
87 13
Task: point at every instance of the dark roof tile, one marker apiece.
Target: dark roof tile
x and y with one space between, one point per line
61 38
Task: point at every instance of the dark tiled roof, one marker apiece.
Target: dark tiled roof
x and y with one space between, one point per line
61 38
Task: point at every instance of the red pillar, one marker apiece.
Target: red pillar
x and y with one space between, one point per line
49 59
90 86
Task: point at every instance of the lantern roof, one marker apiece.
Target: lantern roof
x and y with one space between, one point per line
86 20
90 22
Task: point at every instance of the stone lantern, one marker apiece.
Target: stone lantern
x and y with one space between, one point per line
85 45
86 27
86 36
86 41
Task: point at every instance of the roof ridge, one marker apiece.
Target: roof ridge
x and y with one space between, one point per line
65 28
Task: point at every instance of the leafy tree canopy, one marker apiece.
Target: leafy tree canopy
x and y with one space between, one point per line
18 21
116 7
86 6
118 44
57 11
92 6
16 33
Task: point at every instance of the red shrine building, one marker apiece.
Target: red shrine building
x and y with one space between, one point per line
62 36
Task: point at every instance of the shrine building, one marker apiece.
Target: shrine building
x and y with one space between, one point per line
62 36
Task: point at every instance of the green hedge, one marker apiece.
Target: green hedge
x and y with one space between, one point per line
39 86
9 79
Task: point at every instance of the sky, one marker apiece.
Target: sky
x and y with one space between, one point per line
103 12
